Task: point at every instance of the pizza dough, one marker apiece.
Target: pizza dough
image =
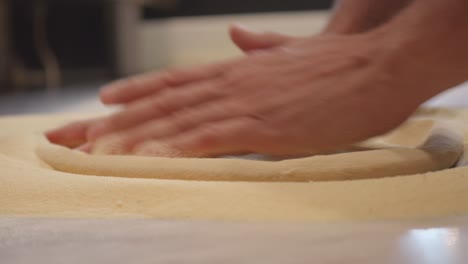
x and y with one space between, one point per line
441 150
57 182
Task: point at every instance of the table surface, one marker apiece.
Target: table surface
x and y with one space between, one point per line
40 241
154 241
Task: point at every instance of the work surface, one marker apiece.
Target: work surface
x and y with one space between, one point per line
142 241
40 241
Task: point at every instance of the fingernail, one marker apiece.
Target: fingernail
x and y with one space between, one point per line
51 135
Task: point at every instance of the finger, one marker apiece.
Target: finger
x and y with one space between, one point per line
122 142
87 147
71 135
128 90
158 106
248 40
221 138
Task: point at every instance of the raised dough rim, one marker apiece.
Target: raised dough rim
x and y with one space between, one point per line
440 151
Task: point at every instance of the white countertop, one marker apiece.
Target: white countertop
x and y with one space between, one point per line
42 241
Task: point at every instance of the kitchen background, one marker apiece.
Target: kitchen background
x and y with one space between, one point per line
49 45
55 54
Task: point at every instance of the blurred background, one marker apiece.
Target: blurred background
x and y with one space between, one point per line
61 51
55 54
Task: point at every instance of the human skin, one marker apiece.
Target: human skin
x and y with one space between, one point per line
291 95
358 16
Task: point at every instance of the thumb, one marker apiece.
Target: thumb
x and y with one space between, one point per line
248 40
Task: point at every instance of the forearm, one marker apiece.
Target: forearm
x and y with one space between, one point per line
431 38
357 16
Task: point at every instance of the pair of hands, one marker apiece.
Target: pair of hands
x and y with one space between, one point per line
288 96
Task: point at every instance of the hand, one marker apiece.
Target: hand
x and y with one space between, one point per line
75 135
308 95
